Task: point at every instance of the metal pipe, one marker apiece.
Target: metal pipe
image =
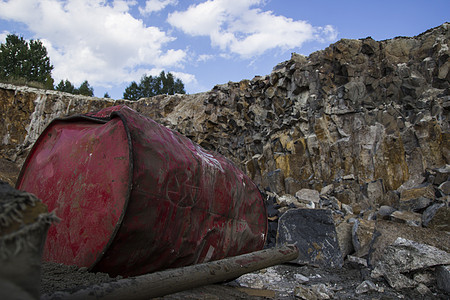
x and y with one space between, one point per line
175 280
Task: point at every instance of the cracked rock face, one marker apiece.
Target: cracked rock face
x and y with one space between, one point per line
362 115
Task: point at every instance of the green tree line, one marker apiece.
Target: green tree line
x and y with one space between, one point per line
23 61
68 87
27 63
150 86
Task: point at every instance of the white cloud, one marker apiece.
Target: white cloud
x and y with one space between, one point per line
238 27
155 6
326 34
172 58
205 57
185 77
94 40
3 36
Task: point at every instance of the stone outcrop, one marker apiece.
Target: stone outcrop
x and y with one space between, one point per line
362 115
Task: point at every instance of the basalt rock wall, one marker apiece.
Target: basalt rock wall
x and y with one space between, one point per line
359 117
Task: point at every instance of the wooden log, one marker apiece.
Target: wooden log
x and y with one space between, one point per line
175 280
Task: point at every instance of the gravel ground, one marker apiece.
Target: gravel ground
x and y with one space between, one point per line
58 277
278 282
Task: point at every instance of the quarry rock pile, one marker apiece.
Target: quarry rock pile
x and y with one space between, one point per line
357 114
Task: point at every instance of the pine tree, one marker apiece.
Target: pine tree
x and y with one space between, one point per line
133 92
22 60
85 89
150 86
65 86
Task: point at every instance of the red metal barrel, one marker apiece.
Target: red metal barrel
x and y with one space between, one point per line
135 197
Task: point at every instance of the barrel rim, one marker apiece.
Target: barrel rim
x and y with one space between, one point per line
130 182
99 120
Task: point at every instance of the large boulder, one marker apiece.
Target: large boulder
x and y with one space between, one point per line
406 256
314 233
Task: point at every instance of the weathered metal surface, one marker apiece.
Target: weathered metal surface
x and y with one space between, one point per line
171 281
136 197
79 168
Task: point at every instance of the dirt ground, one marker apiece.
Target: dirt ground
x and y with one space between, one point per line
58 277
278 282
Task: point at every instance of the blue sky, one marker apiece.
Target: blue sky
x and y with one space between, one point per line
111 43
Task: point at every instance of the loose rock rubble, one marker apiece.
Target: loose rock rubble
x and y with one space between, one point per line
348 282
396 247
